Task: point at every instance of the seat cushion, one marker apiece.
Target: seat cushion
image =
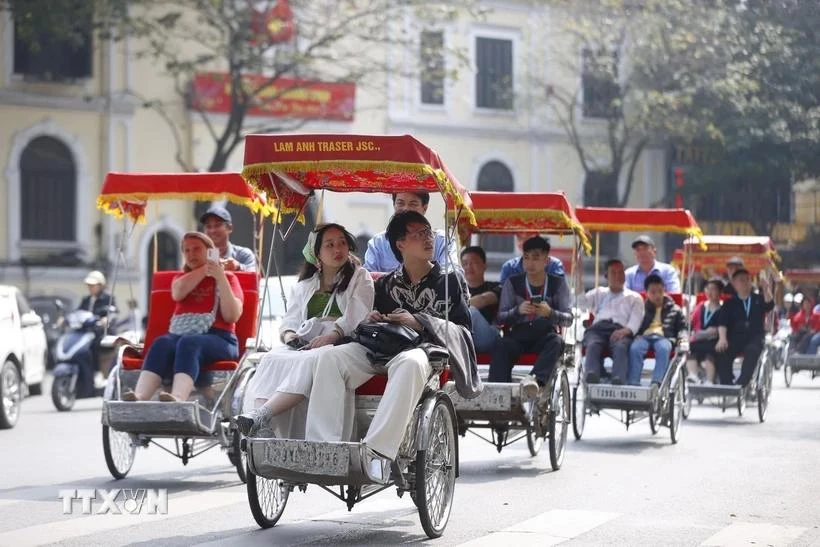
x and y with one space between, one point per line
135 363
526 359
377 384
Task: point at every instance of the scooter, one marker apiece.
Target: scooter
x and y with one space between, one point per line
75 369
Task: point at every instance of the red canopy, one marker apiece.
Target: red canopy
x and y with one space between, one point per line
605 219
757 253
739 245
803 276
128 193
290 166
507 212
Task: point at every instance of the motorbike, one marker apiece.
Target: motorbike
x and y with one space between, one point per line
75 368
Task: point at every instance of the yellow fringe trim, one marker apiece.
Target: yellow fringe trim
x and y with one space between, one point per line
107 203
253 172
559 218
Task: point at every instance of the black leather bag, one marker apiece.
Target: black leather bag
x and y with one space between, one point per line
386 339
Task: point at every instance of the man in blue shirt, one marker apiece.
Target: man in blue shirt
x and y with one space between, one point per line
645 251
516 265
379 256
218 225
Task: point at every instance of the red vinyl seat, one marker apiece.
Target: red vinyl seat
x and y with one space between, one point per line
161 308
376 385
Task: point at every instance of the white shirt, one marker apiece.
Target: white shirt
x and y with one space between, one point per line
354 303
625 308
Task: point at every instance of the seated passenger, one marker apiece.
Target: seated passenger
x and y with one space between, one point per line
533 306
379 256
802 332
516 265
705 320
662 327
742 328
484 297
618 314
645 251
218 225
208 305
418 295
333 288
814 342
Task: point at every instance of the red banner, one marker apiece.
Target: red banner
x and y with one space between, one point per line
285 97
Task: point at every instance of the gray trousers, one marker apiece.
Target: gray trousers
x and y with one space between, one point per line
597 340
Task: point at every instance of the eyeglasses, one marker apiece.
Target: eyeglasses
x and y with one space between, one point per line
420 235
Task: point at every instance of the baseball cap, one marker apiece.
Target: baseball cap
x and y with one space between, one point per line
642 240
798 298
789 297
735 261
95 278
219 212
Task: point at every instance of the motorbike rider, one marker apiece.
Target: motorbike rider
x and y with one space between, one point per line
102 305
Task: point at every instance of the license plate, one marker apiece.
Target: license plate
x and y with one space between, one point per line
491 398
308 457
617 393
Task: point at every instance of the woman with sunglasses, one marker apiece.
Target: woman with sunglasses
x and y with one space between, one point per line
334 295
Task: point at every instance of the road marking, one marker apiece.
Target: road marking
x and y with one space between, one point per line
550 528
74 526
747 533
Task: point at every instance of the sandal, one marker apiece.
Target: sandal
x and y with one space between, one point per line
166 397
129 396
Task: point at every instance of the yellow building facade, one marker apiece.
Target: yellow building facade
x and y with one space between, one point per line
59 139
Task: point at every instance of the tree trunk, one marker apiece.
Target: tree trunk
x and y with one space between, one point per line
601 190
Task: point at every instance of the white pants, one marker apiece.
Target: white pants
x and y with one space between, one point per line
284 370
331 409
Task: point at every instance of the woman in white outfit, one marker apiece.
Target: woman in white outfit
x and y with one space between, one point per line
334 295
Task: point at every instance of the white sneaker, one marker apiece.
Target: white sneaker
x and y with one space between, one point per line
529 387
99 380
378 467
692 379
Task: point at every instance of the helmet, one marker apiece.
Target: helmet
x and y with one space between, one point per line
798 298
788 297
95 278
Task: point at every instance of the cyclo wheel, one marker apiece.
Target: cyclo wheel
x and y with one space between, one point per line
654 415
266 497
788 372
119 449
764 391
535 432
676 406
435 470
741 401
579 409
237 456
559 420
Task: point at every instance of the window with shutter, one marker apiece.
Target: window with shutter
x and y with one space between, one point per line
48 187
494 76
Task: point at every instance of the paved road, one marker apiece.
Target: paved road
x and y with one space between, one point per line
730 481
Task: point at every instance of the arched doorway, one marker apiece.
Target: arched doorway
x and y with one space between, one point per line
48 191
494 176
168 256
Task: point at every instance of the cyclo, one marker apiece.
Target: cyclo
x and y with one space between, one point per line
202 422
760 259
795 362
292 168
636 403
502 407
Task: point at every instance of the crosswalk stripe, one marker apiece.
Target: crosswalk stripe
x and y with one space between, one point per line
73 526
550 528
748 533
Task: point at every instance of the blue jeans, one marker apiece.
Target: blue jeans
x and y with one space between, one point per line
484 334
814 344
641 345
172 353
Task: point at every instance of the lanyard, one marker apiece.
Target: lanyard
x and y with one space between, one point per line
707 315
747 306
529 288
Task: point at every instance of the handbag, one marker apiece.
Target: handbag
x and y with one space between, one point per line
386 339
315 327
194 323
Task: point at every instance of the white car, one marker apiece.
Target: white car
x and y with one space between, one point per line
273 307
23 354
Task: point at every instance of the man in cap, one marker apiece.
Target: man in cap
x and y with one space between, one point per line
218 225
101 304
734 264
645 251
